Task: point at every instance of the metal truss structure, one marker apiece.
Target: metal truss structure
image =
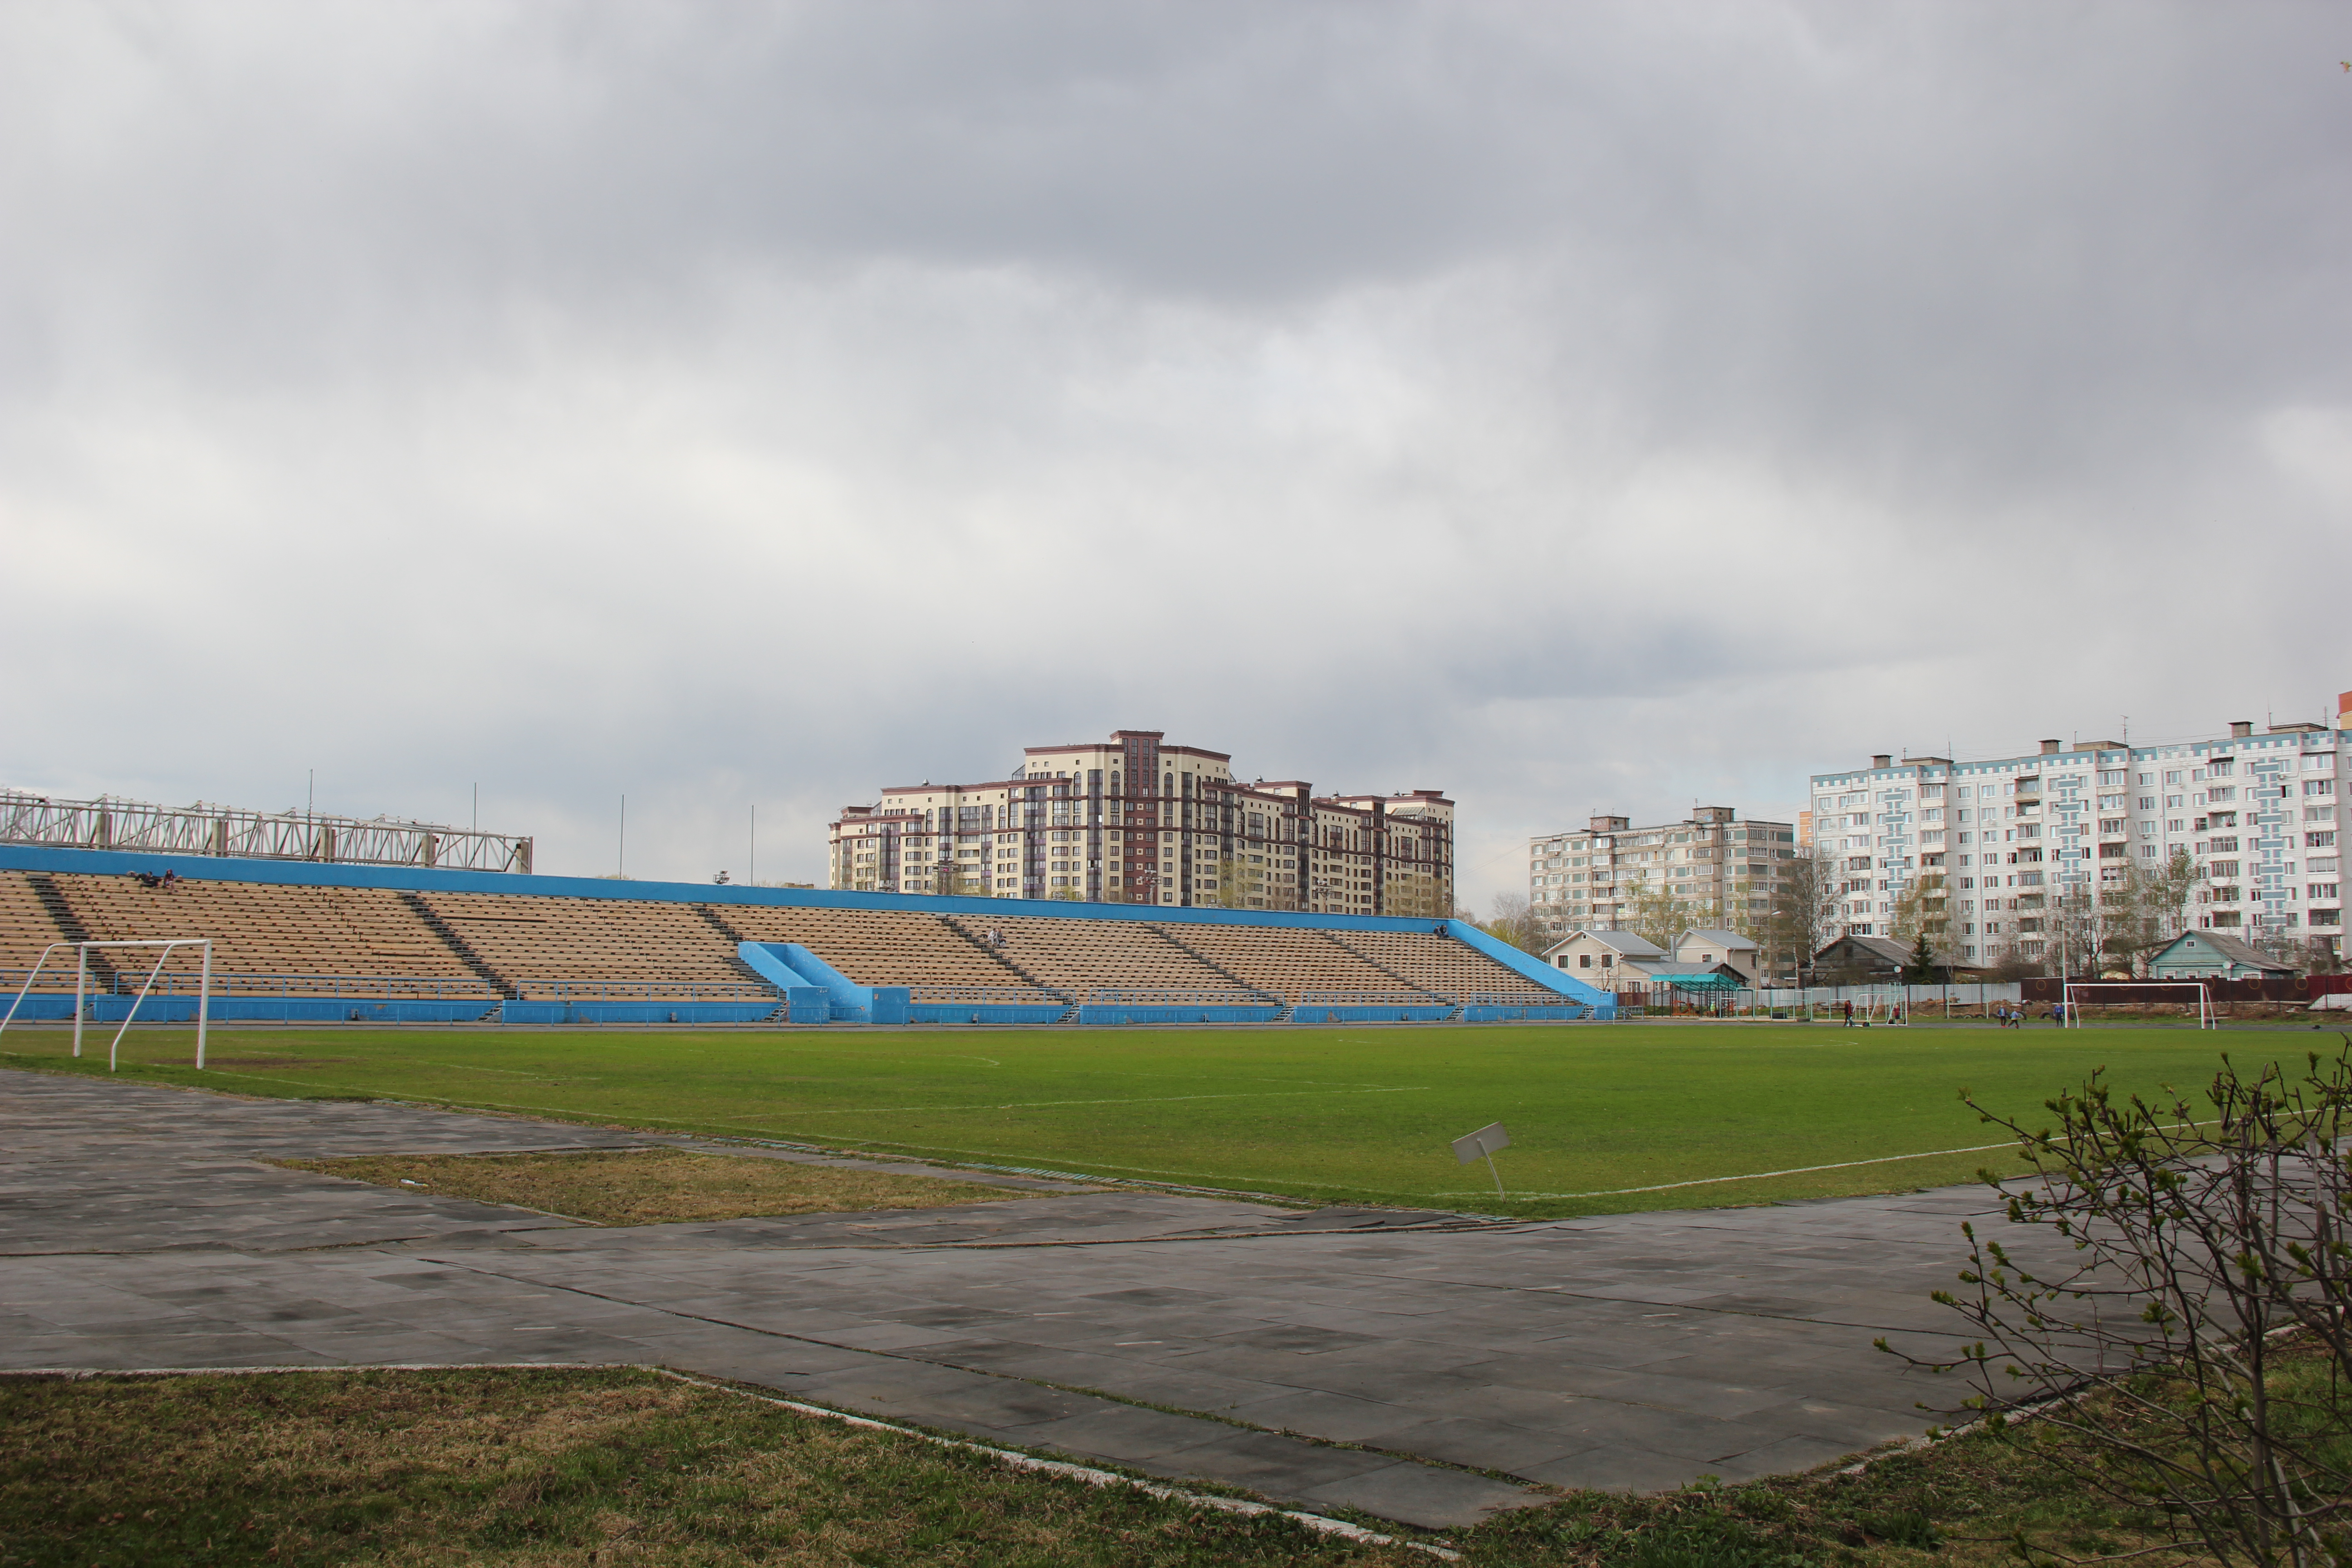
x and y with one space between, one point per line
202 829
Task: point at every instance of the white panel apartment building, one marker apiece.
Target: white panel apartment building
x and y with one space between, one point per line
1724 870
2257 812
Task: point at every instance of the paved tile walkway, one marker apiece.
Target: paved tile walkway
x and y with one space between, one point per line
139 1229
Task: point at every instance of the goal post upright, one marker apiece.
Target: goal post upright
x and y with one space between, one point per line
30 975
81 989
203 1003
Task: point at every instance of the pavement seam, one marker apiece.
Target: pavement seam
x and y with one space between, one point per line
1338 1446
1322 1524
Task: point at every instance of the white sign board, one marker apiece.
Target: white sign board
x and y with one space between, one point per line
1477 1145
1481 1145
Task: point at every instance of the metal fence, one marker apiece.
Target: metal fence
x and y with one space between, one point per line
989 995
1815 1001
180 983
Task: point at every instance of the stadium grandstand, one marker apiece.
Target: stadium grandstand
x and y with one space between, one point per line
319 940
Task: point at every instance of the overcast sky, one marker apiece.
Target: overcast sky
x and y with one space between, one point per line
1571 406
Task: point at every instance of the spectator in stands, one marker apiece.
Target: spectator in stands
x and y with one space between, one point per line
171 880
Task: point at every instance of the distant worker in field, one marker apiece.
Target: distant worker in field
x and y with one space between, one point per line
1849 1012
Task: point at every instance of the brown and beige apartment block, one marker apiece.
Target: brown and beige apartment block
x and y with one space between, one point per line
1712 864
1134 820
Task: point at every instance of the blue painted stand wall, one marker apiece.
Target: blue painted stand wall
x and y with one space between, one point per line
983 1013
1320 1013
1127 1013
791 967
1603 1003
516 1012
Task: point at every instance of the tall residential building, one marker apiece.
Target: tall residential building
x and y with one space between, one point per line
1724 871
2008 837
1134 820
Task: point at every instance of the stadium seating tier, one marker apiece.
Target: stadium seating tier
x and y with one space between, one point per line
534 945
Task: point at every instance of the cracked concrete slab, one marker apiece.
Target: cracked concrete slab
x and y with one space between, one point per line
1305 1356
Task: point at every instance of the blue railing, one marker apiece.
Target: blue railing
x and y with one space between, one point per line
990 996
332 986
1236 997
645 991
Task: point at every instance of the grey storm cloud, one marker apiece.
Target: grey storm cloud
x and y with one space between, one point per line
1574 407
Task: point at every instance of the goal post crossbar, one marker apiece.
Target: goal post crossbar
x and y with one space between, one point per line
2204 996
81 989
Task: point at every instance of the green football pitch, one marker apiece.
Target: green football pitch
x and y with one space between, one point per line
1747 1112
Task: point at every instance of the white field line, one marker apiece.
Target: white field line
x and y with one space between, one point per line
1316 1522
1762 1175
1751 1177
1091 1477
1047 1104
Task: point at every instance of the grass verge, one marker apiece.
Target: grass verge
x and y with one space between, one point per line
624 1467
656 1186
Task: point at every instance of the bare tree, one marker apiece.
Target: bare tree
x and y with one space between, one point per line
1921 911
2147 909
2160 1252
2072 932
1515 923
1804 918
1655 913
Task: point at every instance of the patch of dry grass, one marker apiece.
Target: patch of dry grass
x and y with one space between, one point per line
656 1186
525 1469
531 1467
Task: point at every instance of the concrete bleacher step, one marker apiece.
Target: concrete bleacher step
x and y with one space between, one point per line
996 955
1260 993
457 945
69 925
1409 985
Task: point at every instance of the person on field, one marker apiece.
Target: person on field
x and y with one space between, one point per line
1849 1012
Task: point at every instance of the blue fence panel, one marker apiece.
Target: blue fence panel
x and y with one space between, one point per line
981 1012
1114 1014
637 1012
1320 1013
1532 1014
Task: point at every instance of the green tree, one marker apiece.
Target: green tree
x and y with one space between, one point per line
1920 968
1656 914
1230 880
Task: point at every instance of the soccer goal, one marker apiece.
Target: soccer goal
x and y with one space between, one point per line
2067 994
81 989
